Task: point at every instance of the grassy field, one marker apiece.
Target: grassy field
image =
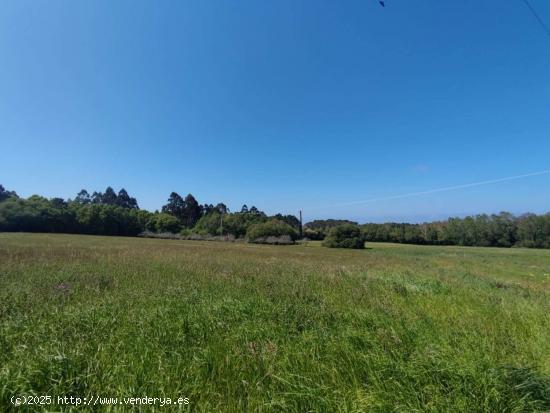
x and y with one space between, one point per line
238 327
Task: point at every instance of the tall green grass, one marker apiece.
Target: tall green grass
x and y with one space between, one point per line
239 327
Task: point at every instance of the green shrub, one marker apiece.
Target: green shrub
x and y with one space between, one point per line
209 224
319 228
163 222
269 230
238 223
344 236
185 232
314 234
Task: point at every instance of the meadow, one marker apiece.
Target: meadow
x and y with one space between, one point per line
240 327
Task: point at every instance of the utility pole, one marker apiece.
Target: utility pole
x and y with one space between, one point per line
221 224
301 228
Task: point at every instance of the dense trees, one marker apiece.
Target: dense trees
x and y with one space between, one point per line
126 201
192 211
38 214
109 197
175 206
272 231
318 229
83 197
104 219
106 214
497 230
290 220
35 214
533 231
209 224
187 211
237 223
162 222
344 236
112 213
221 208
220 221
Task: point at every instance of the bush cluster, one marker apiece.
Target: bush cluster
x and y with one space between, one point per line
344 236
271 232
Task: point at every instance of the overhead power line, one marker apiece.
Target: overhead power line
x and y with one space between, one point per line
433 191
537 16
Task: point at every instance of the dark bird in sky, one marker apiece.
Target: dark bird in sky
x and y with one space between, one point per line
382 3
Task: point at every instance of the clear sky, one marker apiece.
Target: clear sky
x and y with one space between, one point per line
283 104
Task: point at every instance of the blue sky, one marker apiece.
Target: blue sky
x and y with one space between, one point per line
283 104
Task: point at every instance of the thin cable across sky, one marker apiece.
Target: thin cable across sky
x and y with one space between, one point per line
433 191
537 16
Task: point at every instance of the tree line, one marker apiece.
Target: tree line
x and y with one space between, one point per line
497 230
117 213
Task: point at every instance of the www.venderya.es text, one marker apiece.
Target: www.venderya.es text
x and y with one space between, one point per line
98 401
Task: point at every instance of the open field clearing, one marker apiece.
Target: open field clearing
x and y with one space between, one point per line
240 327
